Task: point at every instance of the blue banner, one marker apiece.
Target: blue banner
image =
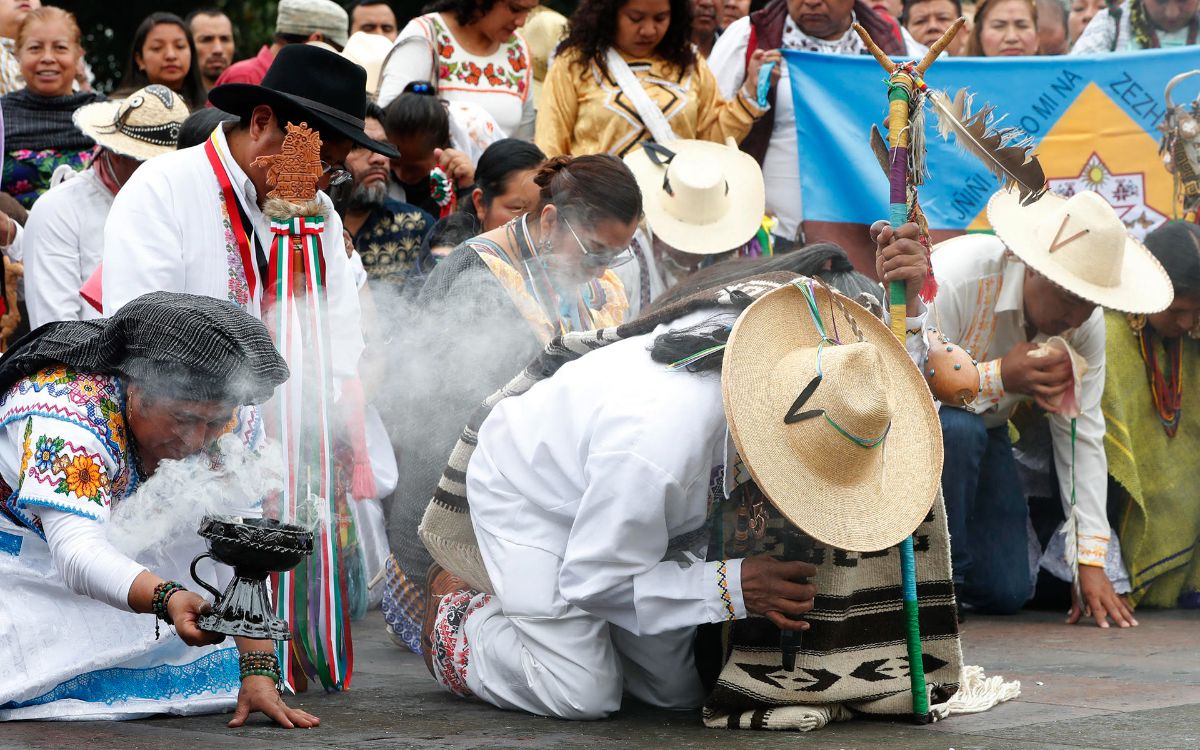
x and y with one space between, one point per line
1094 119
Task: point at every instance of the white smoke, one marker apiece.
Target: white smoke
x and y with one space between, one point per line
171 503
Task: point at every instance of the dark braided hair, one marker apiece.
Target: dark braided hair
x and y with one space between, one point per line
466 12
823 260
593 29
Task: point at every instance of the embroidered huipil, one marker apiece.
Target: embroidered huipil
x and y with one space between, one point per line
584 111
64 446
624 469
980 305
500 82
169 229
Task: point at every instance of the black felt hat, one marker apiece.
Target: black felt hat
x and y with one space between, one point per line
310 84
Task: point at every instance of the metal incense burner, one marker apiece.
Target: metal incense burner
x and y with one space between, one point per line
254 548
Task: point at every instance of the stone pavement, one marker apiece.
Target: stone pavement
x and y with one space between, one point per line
1082 687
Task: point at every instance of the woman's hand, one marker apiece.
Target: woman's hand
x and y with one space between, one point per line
757 60
1102 600
456 165
769 588
258 693
185 608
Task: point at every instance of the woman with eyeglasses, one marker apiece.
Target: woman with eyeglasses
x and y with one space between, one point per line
486 310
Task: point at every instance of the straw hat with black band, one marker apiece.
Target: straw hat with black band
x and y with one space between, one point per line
1080 244
832 418
699 197
141 126
308 84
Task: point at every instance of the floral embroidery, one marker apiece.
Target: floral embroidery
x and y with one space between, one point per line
99 472
451 652
83 476
47 450
507 69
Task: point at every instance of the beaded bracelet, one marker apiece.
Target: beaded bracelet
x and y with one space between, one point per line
261 663
158 602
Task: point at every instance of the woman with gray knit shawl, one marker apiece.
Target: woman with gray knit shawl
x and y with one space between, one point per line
39 134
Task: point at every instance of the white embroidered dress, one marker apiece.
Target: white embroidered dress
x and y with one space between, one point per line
71 646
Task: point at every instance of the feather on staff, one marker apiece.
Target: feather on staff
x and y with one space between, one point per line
1006 152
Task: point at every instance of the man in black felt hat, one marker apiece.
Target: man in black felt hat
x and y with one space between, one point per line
192 221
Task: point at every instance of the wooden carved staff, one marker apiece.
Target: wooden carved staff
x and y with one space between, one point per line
906 157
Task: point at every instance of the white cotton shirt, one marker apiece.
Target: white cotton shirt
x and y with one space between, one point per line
64 241
166 231
781 167
602 464
980 305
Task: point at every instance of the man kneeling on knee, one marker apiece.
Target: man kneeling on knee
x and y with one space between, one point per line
593 492
1048 272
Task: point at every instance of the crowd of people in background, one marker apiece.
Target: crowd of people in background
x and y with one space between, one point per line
518 175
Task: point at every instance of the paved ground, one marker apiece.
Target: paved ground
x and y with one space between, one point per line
1082 687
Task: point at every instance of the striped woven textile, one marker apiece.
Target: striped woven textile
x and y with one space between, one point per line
446 527
853 658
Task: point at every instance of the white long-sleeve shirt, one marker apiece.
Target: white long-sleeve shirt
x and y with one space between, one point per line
980 305
166 231
64 239
624 466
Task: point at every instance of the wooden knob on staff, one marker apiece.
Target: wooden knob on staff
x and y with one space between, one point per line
884 61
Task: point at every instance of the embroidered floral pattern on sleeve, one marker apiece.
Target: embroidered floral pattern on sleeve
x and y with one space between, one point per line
81 469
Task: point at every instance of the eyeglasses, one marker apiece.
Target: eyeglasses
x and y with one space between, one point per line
337 175
611 258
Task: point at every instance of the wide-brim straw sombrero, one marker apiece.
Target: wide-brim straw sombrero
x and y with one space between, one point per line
141 126
699 197
1080 244
836 490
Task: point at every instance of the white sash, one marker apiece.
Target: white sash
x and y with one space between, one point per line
648 112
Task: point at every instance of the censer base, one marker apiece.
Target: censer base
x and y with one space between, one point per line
245 611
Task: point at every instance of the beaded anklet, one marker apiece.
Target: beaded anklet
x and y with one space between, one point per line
158 603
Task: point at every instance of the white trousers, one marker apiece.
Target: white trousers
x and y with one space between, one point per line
531 650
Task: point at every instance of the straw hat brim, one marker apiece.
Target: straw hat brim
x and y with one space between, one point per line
96 119
840 511
1145 287
747 199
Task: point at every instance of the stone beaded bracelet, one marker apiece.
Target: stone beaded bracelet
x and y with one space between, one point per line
158 602
260 663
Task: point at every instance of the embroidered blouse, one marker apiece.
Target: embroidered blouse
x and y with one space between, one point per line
584 111
500 82
64 446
